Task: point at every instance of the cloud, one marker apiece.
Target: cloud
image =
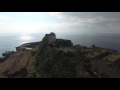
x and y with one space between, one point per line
57 14
4 17
60 21
96 20
88 17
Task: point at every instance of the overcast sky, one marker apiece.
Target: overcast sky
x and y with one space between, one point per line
64 22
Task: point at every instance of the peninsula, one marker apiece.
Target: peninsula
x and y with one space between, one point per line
59 58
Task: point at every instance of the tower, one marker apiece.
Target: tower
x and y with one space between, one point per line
50 37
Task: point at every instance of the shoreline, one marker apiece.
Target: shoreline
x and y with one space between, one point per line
30 45
16 63
25 46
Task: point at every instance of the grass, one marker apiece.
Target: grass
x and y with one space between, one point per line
112 57
68 50
92 54
58 63
32 68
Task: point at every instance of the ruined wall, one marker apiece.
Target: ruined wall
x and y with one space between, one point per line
64 43
18 49
50 38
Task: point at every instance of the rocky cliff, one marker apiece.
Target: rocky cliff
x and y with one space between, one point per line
51 60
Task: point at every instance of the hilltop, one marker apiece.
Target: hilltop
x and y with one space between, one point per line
59 58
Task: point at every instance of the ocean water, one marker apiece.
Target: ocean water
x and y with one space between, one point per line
9 41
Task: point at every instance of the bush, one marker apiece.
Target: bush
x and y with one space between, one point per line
60 64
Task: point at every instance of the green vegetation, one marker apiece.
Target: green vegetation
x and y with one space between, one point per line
112 57
32 71
49 60
69 62
56 63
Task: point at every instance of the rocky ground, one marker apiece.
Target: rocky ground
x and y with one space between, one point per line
17 65
105 62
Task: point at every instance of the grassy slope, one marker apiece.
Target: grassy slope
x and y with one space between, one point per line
57 63
52 62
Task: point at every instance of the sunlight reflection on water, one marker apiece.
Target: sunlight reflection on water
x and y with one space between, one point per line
26 37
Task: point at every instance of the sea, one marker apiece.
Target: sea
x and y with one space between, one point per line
8 41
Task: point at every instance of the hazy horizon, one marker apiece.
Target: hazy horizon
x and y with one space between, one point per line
60 22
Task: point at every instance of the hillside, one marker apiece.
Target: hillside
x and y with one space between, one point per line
17 65
60 59
61 63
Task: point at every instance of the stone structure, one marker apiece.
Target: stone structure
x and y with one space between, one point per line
27 46
50 38
93 46
77 46
63 43
53 41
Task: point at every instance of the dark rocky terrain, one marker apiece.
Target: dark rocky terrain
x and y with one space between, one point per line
60 60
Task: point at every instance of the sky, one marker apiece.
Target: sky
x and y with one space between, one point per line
60 22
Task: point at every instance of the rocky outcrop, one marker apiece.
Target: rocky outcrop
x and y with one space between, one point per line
2 59
11 73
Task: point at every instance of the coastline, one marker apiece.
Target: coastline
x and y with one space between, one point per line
21 61
28 46
23 47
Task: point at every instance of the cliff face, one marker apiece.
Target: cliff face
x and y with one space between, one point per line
60 59
44 62
50 61
17 65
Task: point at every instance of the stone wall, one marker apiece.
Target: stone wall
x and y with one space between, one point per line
50 38
64 43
